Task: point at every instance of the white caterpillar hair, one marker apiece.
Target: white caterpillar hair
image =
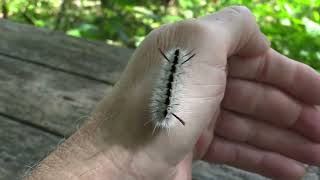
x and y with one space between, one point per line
167 85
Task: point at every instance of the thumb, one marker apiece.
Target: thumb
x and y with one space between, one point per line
243 36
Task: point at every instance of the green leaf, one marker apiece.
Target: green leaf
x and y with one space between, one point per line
74 32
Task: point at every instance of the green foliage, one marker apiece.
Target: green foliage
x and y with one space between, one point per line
292 26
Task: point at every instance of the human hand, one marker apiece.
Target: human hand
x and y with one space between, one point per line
269 123
266 123
269 119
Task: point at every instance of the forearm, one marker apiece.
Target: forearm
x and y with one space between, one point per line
77 158
101 149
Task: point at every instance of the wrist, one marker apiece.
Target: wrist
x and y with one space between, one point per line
76 159
106 148
121 134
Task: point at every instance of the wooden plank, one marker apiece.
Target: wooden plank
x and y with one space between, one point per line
45 97
95 60
21 147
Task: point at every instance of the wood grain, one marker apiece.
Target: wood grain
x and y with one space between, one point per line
53 100
21 148
90 59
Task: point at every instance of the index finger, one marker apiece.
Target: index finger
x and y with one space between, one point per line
295 78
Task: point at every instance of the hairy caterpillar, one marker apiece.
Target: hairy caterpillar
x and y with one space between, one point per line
164 98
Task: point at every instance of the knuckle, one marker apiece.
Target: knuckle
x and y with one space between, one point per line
185 27
239 13
240 10
185 32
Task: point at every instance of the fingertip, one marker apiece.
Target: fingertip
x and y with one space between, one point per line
242 33
241 9
252 41
292 169
313 156
313 77
249 158
308 123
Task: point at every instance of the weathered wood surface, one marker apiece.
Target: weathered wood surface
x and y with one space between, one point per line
21 147
48 82
87 58
47 98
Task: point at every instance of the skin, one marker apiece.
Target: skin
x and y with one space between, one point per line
244 105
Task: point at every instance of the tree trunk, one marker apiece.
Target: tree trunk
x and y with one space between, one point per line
4 9
61 14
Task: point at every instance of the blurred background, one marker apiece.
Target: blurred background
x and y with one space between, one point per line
292 26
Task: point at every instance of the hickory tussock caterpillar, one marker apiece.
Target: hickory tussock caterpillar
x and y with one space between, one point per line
164 95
